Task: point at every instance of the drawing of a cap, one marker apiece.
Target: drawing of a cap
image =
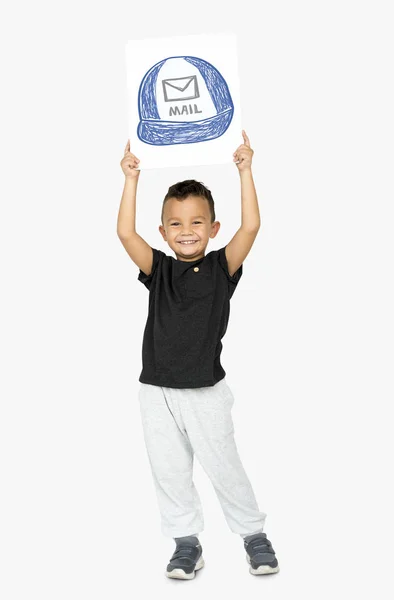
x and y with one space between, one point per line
183 100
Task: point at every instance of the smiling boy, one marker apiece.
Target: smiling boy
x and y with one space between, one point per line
185 401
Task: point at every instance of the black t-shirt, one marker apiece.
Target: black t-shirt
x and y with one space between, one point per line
189 308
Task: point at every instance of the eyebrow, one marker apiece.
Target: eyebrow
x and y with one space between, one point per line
178 219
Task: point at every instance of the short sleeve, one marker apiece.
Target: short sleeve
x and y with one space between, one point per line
234 279
147 279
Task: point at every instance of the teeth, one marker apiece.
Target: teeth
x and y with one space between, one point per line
188 242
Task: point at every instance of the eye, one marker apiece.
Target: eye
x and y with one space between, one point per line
176 223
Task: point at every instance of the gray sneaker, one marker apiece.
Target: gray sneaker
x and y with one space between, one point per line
260 554
187 558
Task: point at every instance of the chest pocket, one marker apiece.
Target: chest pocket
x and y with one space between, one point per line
198 283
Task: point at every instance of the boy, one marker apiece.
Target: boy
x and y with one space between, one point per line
184 399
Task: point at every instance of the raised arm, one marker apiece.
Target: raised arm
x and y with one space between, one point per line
240 245
136 247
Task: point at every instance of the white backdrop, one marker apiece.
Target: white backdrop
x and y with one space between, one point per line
312 315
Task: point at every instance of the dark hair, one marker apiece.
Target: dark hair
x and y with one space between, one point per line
189 187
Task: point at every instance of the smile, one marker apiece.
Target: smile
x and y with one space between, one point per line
189 242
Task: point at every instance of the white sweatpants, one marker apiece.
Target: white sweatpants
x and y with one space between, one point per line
178 423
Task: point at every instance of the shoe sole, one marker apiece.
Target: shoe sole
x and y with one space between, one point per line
262 569
181 574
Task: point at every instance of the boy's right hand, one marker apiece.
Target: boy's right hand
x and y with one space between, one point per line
129 163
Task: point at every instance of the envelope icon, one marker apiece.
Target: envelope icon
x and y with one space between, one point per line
180 88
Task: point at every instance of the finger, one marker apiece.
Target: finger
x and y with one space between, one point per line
129 163
127 148
246 139
130 155
246 152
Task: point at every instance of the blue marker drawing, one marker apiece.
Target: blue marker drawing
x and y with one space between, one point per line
195 106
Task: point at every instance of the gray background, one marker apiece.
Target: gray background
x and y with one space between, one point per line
311 330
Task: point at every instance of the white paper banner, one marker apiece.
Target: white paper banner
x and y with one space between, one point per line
183 100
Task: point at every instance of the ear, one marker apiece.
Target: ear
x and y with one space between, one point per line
215 229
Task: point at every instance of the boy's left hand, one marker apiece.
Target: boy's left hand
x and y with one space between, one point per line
243 154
